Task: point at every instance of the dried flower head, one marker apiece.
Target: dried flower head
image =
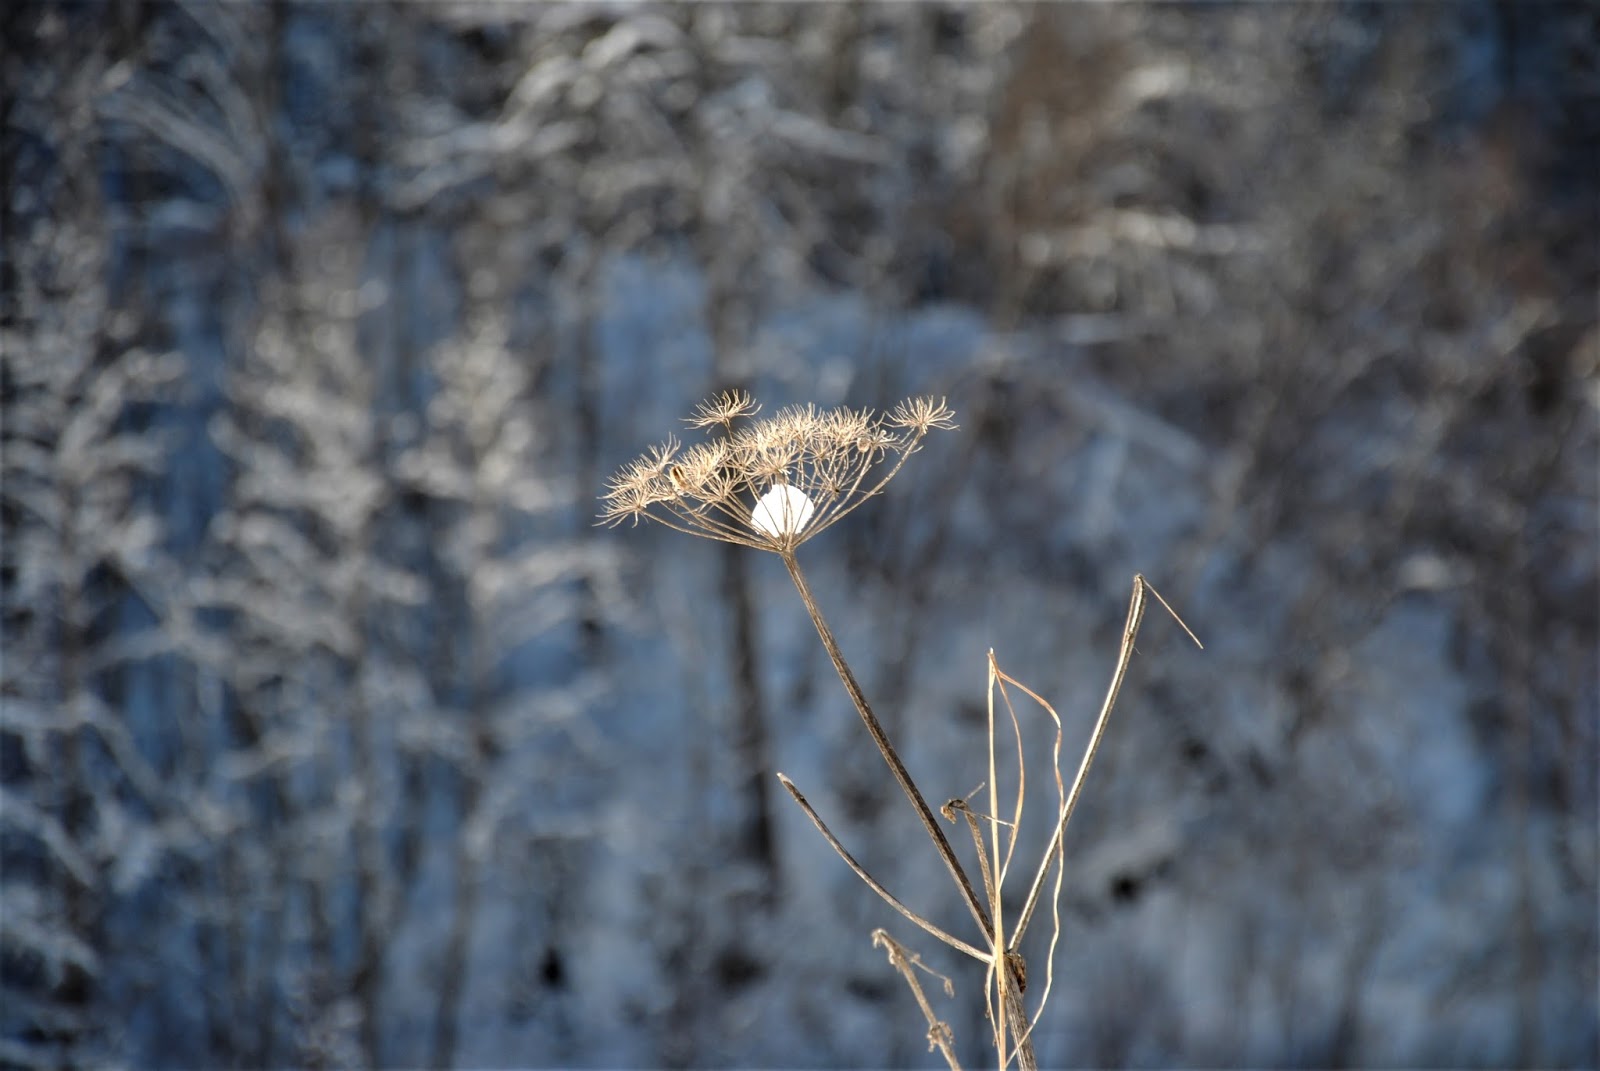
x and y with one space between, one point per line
724 409
771 483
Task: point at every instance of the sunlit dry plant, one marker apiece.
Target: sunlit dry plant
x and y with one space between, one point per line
773 484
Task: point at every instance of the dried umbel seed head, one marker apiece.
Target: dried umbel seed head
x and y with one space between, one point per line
771 483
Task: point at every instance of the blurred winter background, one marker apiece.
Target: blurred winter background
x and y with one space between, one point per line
335 734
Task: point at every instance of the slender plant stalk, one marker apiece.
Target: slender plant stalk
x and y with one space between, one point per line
1129 630
1010 985
886 749
873 883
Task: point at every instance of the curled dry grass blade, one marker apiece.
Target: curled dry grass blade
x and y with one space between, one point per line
1054 853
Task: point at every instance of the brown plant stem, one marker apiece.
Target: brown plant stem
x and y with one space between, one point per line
1015 1012
885 748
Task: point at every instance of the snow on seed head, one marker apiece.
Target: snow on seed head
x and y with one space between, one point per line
783 511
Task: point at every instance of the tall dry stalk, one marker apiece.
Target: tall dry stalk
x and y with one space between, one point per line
772 485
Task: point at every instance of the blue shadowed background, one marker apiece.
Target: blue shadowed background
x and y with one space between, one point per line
335 733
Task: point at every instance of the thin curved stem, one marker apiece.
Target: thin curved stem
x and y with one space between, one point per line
886 749
873 883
